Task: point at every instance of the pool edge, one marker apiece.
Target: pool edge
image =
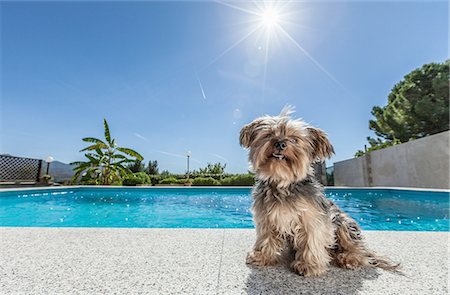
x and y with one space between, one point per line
211 187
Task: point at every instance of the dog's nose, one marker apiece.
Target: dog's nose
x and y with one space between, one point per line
280 145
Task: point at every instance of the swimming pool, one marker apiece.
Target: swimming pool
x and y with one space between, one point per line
374 209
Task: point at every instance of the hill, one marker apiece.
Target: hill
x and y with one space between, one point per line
60 171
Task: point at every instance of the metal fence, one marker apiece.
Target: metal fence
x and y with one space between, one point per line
19 169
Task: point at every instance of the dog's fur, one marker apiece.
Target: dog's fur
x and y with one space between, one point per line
289 206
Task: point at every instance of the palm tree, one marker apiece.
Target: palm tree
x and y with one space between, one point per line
106 161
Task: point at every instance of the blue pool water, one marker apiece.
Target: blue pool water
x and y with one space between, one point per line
209 208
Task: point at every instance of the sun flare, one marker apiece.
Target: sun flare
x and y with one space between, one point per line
270 17
270 22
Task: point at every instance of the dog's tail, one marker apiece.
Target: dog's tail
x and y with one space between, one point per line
382 262
351 250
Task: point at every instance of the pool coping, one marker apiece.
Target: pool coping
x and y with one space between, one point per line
9 189
201 261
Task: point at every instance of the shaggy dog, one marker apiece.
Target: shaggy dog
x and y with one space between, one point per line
289 205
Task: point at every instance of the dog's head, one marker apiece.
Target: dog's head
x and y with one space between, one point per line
282 149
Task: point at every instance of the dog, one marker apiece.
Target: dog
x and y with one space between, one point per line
290 209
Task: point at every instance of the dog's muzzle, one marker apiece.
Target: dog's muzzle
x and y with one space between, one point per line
281 145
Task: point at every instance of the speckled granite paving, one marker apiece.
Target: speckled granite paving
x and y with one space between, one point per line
199 261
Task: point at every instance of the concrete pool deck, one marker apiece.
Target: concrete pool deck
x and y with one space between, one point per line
200 261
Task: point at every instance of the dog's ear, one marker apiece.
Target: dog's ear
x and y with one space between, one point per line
248 133
322 147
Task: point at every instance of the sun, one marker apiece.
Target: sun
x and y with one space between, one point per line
269 21
270 17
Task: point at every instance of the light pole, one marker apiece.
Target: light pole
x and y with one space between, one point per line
188 155
48 160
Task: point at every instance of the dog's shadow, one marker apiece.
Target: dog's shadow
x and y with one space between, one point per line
281 280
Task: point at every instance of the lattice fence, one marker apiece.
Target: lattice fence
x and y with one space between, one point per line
19 169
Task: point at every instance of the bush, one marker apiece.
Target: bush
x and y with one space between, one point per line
205 181
241 179
136 179
155 179
183 181
88 181
174 180
169 180
143 176
197 175
132 181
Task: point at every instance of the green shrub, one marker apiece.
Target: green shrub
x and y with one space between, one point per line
197 175
227 181
136 179
143 176
132 181
241 179
173 180
88 182
205 181
182 181
169 180
154 179
117 183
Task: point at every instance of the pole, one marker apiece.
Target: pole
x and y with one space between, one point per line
188 166
48 166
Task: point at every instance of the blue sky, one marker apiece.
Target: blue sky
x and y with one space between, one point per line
165 77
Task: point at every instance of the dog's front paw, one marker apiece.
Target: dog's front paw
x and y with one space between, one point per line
259 259
307 270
